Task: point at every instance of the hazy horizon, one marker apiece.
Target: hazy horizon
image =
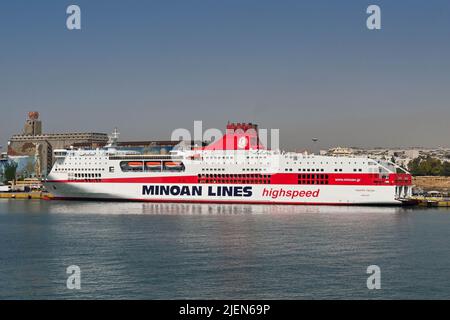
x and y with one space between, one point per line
311 69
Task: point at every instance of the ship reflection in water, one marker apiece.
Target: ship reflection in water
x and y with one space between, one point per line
209 209
194 251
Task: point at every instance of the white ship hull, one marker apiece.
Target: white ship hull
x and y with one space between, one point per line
228 193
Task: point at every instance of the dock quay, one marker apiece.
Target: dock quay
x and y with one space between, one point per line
25 195
431 201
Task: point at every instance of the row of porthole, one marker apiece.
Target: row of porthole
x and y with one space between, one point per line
313 176
234 181
245 169
240 176
312 181
306 170
88 175
78 169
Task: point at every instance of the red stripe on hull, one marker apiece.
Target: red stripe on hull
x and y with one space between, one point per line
345 179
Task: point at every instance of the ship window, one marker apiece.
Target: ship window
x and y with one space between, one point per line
111 169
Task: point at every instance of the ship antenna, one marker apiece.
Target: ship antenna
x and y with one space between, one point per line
113 138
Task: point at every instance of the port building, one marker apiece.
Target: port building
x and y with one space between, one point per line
33 149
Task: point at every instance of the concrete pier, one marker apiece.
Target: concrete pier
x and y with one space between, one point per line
26 195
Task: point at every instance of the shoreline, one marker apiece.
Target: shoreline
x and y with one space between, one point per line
428 183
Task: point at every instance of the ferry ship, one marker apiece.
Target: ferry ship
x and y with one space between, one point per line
237 168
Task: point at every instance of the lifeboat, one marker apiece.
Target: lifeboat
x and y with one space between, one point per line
153 164
134 164
171 164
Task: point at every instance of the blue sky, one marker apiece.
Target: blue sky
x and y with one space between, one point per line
310 68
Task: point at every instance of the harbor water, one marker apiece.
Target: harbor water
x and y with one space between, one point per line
191 251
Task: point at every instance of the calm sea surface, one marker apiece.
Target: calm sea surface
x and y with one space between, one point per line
178 251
